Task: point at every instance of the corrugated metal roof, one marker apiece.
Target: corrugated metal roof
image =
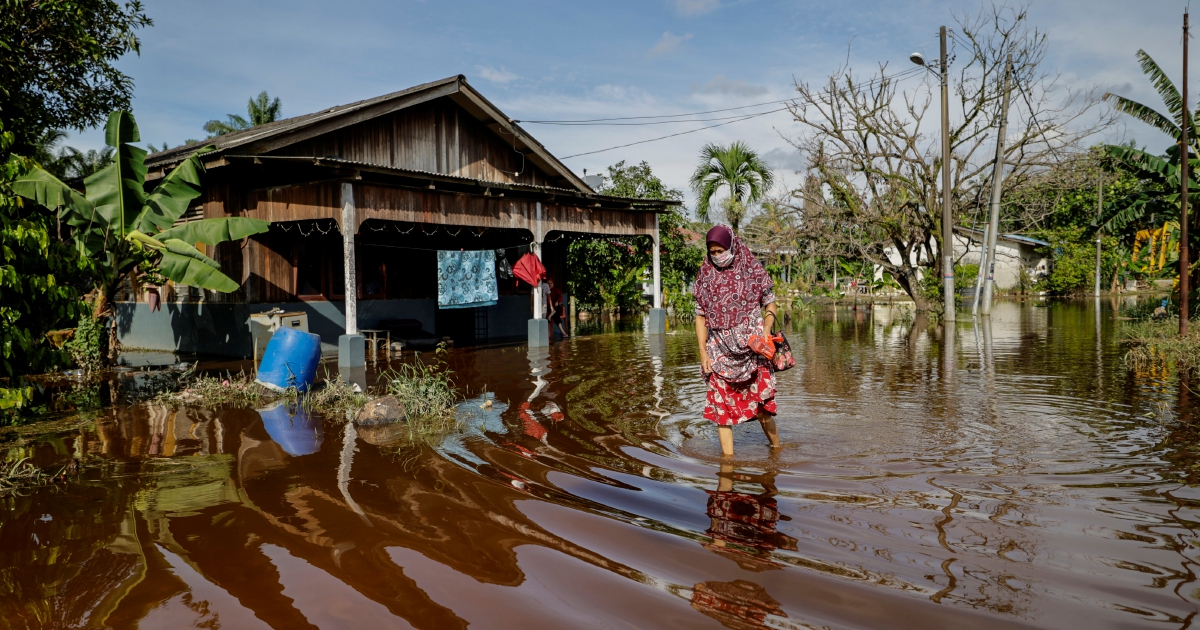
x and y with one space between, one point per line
483 183
978 235
458 83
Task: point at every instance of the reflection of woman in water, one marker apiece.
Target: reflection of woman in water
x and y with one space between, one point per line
731 291
745 520
742 530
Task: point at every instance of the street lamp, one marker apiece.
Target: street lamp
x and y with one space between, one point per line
947 219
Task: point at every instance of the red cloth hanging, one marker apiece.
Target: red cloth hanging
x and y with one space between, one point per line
529 269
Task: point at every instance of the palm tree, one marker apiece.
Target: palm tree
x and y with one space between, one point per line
84 163
737 167
261 109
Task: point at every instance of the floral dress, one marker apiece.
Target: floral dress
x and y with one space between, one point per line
742 382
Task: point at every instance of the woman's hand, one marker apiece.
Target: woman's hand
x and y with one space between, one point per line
705 363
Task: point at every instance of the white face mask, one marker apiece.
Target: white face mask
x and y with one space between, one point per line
723 259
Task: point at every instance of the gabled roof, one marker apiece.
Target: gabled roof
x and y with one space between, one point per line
271 136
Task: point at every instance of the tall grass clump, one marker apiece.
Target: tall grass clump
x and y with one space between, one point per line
428 394
337 399
238 390
1151 342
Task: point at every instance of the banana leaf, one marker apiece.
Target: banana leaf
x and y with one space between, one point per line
180 248
193 272
170 199
117 188
46 189
213 231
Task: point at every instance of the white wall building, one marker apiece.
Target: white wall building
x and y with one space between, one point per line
1013 252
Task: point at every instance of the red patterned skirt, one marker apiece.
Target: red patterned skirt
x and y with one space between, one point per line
730 404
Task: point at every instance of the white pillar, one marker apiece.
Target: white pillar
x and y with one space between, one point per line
351 346
537 250
539 328
349 226
657 273
656 320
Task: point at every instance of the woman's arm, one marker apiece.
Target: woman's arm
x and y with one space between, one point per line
773 311
702 339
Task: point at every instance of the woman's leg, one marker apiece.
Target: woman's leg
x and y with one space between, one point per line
726 435
768 426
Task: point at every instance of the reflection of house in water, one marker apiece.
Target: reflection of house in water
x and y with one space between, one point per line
233 516
434 167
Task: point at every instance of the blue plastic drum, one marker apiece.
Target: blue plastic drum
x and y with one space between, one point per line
293 429
290 360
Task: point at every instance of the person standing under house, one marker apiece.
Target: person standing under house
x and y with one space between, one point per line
555 298
731 290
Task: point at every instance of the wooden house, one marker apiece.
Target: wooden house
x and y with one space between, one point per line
390 180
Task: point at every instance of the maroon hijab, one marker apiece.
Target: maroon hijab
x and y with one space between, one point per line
730 295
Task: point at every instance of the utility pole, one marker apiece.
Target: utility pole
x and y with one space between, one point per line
1099 215
947 217
1184 154
997 183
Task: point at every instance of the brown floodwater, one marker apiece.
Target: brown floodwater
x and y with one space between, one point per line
1024 478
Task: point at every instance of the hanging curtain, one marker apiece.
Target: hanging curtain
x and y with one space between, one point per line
467 279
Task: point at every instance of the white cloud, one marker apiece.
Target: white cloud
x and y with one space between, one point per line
695 7
668 42
501 75
721 85
784 159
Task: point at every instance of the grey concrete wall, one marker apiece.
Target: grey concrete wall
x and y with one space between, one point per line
222 328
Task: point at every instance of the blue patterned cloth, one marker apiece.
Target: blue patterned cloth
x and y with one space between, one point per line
466 279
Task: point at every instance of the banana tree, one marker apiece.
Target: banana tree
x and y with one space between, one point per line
119 225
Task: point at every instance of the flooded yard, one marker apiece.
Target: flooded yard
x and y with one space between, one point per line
1021 477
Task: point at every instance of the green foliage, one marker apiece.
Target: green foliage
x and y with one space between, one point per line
122 227
1158 199
428 394
57 70
608 272
261 110
86 346
1073 255
736 167
36 272
965 276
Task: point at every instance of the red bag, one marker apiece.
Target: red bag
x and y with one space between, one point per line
783 354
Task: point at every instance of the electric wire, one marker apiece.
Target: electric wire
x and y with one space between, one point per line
900 76
671 136
904 74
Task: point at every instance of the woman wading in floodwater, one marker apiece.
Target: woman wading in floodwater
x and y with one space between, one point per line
731 291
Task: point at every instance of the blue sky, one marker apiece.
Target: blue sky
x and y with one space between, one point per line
564 60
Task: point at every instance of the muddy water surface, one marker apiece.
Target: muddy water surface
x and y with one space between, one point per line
1022 477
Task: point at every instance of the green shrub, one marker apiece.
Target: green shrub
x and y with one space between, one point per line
86 347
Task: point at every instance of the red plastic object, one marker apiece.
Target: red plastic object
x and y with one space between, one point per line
529 269
762 344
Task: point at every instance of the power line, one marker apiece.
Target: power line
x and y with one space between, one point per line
905 74
655 122
674 134
897 77
597 120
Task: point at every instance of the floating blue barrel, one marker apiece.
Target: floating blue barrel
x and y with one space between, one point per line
290 360
293 429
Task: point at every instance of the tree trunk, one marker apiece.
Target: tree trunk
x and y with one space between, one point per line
103 310
907 279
